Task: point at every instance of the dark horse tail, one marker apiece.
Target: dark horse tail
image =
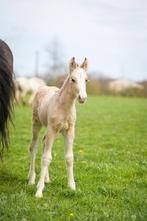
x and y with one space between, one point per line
6 93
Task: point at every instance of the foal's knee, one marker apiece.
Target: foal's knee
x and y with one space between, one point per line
46 161
32 147
69 160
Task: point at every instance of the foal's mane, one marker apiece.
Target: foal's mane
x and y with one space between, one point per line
6 93
64 83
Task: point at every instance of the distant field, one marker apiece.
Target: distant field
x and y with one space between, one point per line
110 153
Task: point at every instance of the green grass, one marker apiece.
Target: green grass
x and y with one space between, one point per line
110 151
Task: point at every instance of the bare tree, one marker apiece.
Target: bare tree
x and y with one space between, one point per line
56 63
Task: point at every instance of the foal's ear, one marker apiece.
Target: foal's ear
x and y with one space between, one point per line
72 65
84 65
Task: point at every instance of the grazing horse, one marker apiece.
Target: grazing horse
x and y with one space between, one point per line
25 86
6 93
55 109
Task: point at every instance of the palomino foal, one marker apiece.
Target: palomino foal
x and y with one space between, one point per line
55 109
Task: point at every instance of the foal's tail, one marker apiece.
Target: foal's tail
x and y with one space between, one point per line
7 92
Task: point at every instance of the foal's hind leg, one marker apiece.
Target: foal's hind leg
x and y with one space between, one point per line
32 148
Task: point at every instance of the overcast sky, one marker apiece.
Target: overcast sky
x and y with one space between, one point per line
112 34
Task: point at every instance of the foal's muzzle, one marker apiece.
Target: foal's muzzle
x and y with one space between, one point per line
81 99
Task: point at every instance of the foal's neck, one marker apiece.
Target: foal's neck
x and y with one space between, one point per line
66 96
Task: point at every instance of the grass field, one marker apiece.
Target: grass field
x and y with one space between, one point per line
110 151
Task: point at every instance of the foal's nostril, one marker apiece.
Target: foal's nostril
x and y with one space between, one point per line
81 99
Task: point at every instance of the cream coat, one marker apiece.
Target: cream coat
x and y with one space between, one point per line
55 109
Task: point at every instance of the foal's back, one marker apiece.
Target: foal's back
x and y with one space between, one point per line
43 100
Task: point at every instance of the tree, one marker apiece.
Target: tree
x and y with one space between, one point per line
56 63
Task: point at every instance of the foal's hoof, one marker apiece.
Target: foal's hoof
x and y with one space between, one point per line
72 186
39 194
31 182
47 180
31 178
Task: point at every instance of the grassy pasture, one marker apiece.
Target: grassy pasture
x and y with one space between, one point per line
110 152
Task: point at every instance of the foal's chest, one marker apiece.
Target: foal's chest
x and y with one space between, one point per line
62 122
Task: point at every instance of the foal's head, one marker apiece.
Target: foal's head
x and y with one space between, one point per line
78 79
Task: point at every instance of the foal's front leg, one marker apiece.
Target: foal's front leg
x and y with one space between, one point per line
46 159
69 137
47 178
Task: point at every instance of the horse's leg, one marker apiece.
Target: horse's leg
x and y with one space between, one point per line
47 178
69 137
17 96
23 95
32 148
46 159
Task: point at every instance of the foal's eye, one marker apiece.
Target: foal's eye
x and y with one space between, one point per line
73 80
86 80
